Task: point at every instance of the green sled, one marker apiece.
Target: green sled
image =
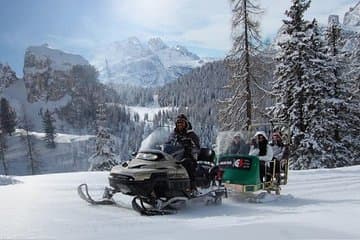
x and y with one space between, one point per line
241 170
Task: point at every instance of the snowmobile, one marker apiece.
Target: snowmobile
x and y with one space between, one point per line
157 180
241 172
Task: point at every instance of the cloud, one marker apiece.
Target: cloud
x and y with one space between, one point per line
71 42
202 22
206 23
215 36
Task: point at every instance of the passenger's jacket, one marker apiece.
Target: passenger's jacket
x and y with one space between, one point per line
281 151
269 153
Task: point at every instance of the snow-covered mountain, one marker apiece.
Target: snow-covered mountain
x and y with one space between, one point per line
143 64
316 204
352 18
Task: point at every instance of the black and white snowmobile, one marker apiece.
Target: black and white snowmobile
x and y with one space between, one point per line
157 179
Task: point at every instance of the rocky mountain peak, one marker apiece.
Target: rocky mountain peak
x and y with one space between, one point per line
47 72
352 17
56 59
186 52
156 44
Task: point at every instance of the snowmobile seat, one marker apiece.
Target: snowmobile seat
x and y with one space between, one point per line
206 155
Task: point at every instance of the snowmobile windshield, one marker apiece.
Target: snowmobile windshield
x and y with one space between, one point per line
233 142
158 140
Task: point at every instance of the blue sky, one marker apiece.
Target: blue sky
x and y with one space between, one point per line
78 26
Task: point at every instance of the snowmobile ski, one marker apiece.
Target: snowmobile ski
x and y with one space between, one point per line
146 207
83 192
152 210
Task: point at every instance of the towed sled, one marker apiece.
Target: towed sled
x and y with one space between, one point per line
158 181
241 172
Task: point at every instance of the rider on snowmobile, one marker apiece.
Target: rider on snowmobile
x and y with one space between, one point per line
184 135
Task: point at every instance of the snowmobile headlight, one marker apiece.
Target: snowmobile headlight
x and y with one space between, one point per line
147 156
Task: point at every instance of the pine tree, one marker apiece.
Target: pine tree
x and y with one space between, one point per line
345 104
49 129
104 157
292 85
237 110
7 117
320 146
310 96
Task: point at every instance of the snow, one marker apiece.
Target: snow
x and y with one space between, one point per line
60 137
71 153
17 96
316 204
146 110
6 180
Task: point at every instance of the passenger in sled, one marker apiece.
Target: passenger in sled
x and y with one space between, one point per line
238 145
260 147
281 154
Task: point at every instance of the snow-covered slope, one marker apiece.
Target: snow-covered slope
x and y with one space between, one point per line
144 64
71 153
17 94
6 180
316 204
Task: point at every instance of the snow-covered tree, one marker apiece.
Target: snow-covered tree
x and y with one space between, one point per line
237 111
104 158
311 93
49 129
346 95
7 117
322 145
295 86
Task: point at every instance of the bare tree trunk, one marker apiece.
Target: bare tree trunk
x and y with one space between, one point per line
2 153
27 126
30 152
247 69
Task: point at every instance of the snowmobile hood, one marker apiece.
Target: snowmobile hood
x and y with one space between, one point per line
147 159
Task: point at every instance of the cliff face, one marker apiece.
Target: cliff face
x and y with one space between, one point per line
47 72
